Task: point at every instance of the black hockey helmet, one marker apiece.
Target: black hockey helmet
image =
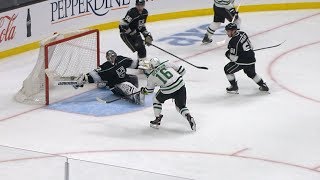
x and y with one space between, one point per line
231 26
140 2
111 55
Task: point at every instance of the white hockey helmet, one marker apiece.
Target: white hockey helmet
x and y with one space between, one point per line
154 63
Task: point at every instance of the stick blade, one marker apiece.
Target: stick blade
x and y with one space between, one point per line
101 100
202 67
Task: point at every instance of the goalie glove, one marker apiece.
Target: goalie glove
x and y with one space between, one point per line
234 13
147 38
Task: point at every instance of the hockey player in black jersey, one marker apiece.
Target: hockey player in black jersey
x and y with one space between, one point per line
242 57
113 73
223 9
130 28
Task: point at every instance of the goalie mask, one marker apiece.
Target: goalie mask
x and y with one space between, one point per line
111 56
154 63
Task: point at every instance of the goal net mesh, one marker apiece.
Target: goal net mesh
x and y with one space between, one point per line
66 56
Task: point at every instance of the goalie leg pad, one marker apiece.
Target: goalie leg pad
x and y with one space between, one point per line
95 76
125 89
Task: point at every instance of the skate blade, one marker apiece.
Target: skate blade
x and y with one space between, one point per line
154 126
265 92
205 43
233 92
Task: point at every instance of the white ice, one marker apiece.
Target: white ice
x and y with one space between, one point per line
251 135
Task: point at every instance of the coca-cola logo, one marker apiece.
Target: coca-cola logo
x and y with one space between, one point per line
7 28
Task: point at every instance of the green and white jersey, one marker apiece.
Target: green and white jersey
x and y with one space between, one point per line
227 4
168 76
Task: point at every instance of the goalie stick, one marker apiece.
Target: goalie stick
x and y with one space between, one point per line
116 99
63 81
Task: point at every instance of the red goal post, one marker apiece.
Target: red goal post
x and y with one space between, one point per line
66 56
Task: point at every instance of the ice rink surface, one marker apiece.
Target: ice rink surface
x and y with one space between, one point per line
251 135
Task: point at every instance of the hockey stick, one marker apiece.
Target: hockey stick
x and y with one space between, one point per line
269 46
116 99
199 67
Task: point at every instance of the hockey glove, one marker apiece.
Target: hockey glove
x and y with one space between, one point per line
144 91
147 38
234 13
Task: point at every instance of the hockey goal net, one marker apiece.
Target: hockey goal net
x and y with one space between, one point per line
64 55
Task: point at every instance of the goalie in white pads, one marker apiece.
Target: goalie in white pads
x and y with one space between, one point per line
169 77
113 73
223 9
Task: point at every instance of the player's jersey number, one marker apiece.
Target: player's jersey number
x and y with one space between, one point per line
164 75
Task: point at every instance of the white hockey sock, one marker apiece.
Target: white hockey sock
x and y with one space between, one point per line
157 107
184 111
257 78
212 28
231 77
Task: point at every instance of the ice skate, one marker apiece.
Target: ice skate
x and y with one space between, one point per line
191 122
156 123
264 87
233 89
206 39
